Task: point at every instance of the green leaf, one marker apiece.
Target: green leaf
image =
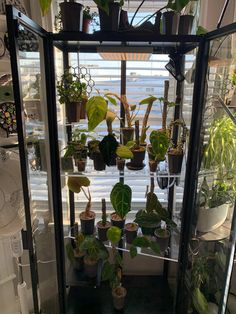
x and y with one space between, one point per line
124 152
130 144
75 183
114 234
160 143
96 109
199 301
155 247
45 5
107 271
151 203
112 100
108 147
177 5
103 5
148 220
132 107
120 197
201 30
133 251
141 242
148 100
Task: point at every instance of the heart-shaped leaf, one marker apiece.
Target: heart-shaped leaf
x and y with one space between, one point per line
124 152
45 5
96 109
148 100
120 197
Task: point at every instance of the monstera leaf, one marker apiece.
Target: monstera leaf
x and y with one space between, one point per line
108 148
120 197
96 109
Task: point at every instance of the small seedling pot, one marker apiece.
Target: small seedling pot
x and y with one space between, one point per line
118 295
110 23
185 24
137 160
90 267
131 230
98 161
117 221
73 112
102 230
71 16
87 223
78 262
67 163
127 135
81 165
120 164
163 182
162 238
170 21
153 165
175 162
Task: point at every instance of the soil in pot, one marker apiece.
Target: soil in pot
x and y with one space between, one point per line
81 164
175 162
85 29
118 295
117 221
71 16
120 164
162 238
137 160
67 164
110 23
72 111
127 135
131 230
153 165
170 23
90 267
78 262
87 223
102 230
98 161
185 24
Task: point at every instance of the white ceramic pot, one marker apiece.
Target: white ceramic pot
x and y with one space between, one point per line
211 218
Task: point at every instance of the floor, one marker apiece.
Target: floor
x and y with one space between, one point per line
145 294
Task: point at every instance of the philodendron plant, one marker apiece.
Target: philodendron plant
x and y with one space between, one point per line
143 242
120 197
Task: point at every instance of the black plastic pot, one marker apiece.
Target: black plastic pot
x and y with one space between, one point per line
67 163
110 23
185 24
117 223
130 235
102 230
170 22
72 112
157 25
71 16
98 161
163 182
153 165
87 225
137 160
124 20
120 164
175 163
162 241
90 267
127 135
81 164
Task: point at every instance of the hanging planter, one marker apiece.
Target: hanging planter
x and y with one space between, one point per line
71 16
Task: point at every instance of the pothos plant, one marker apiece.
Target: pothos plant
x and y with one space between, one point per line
177 148
120 197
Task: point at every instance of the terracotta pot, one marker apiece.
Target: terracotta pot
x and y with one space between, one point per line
71 16
162 240
67 164
170 22
120 164
98 161
117 221
175 163
110 23
90 267
81 164
86 24
127 135
73 112
102 230
185 24
118 295
87 223
153 165
210 219
137 160
131 230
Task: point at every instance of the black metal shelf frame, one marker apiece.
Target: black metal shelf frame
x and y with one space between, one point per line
78 42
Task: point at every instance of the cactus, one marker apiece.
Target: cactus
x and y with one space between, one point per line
104 212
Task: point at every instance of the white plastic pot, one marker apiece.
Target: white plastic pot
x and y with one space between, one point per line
211 218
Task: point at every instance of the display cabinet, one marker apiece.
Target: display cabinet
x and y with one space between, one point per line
201 121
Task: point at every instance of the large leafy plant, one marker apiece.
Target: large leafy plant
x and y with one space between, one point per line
120 197
94 249
159 144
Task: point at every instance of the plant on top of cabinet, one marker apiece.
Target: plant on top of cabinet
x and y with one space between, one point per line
122 152
88 17
103 225
94 251
75 254
112 270
87 217
120 197
71 16
73 93
176 151
186 19
213 204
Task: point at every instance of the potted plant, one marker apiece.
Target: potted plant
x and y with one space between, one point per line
94 250
71 16
131 231
122 152
186 19
103 225
138 152
109 14
112 270
88 17
75 254
176 152
159 143
162 237
87 217
120 197
143 242
67 159
72 92
213 204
